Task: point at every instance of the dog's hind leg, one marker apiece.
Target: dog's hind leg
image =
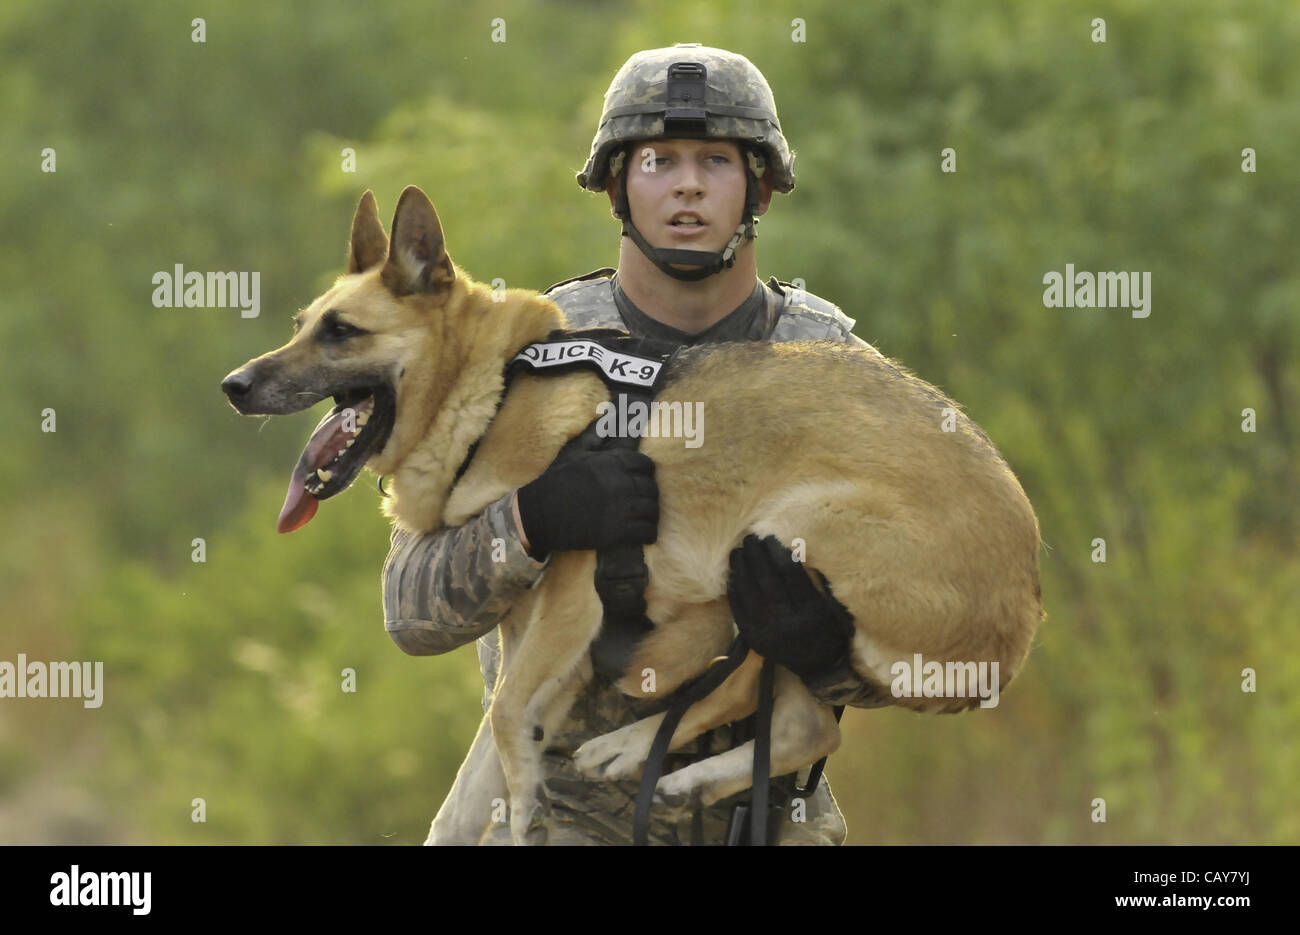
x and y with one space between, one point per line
542 673
803 731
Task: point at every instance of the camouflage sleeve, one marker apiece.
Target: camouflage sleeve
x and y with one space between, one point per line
443 589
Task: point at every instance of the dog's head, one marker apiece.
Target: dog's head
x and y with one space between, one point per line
367 342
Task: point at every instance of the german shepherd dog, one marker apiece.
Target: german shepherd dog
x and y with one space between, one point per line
905 508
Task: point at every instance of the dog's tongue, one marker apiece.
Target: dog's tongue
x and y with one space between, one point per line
299 505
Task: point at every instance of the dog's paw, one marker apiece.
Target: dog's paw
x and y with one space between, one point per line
674 799
602 758
620 754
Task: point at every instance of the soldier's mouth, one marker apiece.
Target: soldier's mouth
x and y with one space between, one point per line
687 230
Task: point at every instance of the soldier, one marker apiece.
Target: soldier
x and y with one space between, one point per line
689 150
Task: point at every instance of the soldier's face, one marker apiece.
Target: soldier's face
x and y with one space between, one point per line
688 194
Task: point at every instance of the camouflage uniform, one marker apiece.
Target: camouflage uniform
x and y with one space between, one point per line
443 589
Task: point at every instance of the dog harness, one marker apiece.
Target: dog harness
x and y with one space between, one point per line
635 368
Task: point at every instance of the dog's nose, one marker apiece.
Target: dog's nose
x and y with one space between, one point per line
237 384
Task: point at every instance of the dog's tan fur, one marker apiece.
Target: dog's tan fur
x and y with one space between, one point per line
924 535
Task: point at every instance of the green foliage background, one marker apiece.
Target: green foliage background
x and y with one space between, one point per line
223 678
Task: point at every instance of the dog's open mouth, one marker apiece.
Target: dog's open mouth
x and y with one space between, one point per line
357 427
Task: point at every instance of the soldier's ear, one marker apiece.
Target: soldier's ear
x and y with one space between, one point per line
765 192
611 189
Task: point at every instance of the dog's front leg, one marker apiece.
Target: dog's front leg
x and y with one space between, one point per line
540 677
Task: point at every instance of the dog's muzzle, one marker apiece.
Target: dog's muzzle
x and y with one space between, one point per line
356 428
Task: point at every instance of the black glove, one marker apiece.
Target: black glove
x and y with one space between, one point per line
782 616
591 498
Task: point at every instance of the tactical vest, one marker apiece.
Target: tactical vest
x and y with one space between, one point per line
792 314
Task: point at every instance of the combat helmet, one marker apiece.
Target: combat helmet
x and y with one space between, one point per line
694 92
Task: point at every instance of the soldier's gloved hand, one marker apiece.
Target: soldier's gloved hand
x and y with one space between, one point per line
590 498
782 616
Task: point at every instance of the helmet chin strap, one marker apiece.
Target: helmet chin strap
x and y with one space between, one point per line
706 262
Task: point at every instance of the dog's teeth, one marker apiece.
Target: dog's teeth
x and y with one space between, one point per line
323 474
342 450
363 418
351 442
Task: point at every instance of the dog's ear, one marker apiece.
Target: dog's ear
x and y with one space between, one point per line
369 242
417 256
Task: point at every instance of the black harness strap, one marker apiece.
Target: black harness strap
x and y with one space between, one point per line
762 755
757 811
685 697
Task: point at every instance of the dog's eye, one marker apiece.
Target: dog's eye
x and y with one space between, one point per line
337 329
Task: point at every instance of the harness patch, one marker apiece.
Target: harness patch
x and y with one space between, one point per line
615 366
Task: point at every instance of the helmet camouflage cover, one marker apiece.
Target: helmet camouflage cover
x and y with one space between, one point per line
738 105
